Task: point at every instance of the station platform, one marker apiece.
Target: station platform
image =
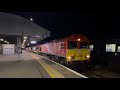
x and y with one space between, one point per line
30 65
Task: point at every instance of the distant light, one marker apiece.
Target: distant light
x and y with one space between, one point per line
37 36
23 46
78 39
33 42
5 41
31 19
1 39
25 37
28 44
24 40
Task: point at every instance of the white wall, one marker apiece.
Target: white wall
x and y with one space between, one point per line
8 48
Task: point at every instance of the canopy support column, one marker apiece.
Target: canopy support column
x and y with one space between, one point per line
19 45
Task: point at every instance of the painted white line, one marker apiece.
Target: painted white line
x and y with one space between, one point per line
65 67
95 76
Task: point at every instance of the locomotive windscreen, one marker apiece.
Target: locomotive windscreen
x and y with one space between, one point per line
77 45
72 45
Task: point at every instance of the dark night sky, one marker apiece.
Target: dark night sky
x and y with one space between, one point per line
95 25
63 23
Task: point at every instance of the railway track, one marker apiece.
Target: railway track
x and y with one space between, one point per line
91 75
86 73
99 72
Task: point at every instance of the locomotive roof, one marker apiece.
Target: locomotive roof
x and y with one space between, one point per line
68 37
47 40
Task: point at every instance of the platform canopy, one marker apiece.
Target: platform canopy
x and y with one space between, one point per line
11 24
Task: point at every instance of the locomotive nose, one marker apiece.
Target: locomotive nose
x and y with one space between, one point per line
79 55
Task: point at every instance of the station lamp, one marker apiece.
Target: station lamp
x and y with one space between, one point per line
37 36
1 39
5 41
25 37
33 42
24 40
31 19
78 39
28 44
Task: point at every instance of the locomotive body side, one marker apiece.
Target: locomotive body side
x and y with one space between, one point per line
48 48
67 50
73 48
57 48
61 48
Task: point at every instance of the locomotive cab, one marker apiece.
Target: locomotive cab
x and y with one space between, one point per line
78 50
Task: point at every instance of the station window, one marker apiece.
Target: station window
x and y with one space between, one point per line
91 47
110 47
118 49
72 45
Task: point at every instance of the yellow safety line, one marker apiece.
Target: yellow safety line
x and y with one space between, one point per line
66 68
51 75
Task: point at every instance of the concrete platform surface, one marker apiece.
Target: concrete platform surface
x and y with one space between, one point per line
30 65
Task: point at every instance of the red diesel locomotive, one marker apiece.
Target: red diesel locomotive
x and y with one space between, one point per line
71 49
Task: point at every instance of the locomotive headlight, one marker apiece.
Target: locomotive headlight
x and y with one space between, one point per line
87 56
70 57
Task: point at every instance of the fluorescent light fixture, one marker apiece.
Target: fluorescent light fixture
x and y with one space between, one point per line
37 36
33 42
